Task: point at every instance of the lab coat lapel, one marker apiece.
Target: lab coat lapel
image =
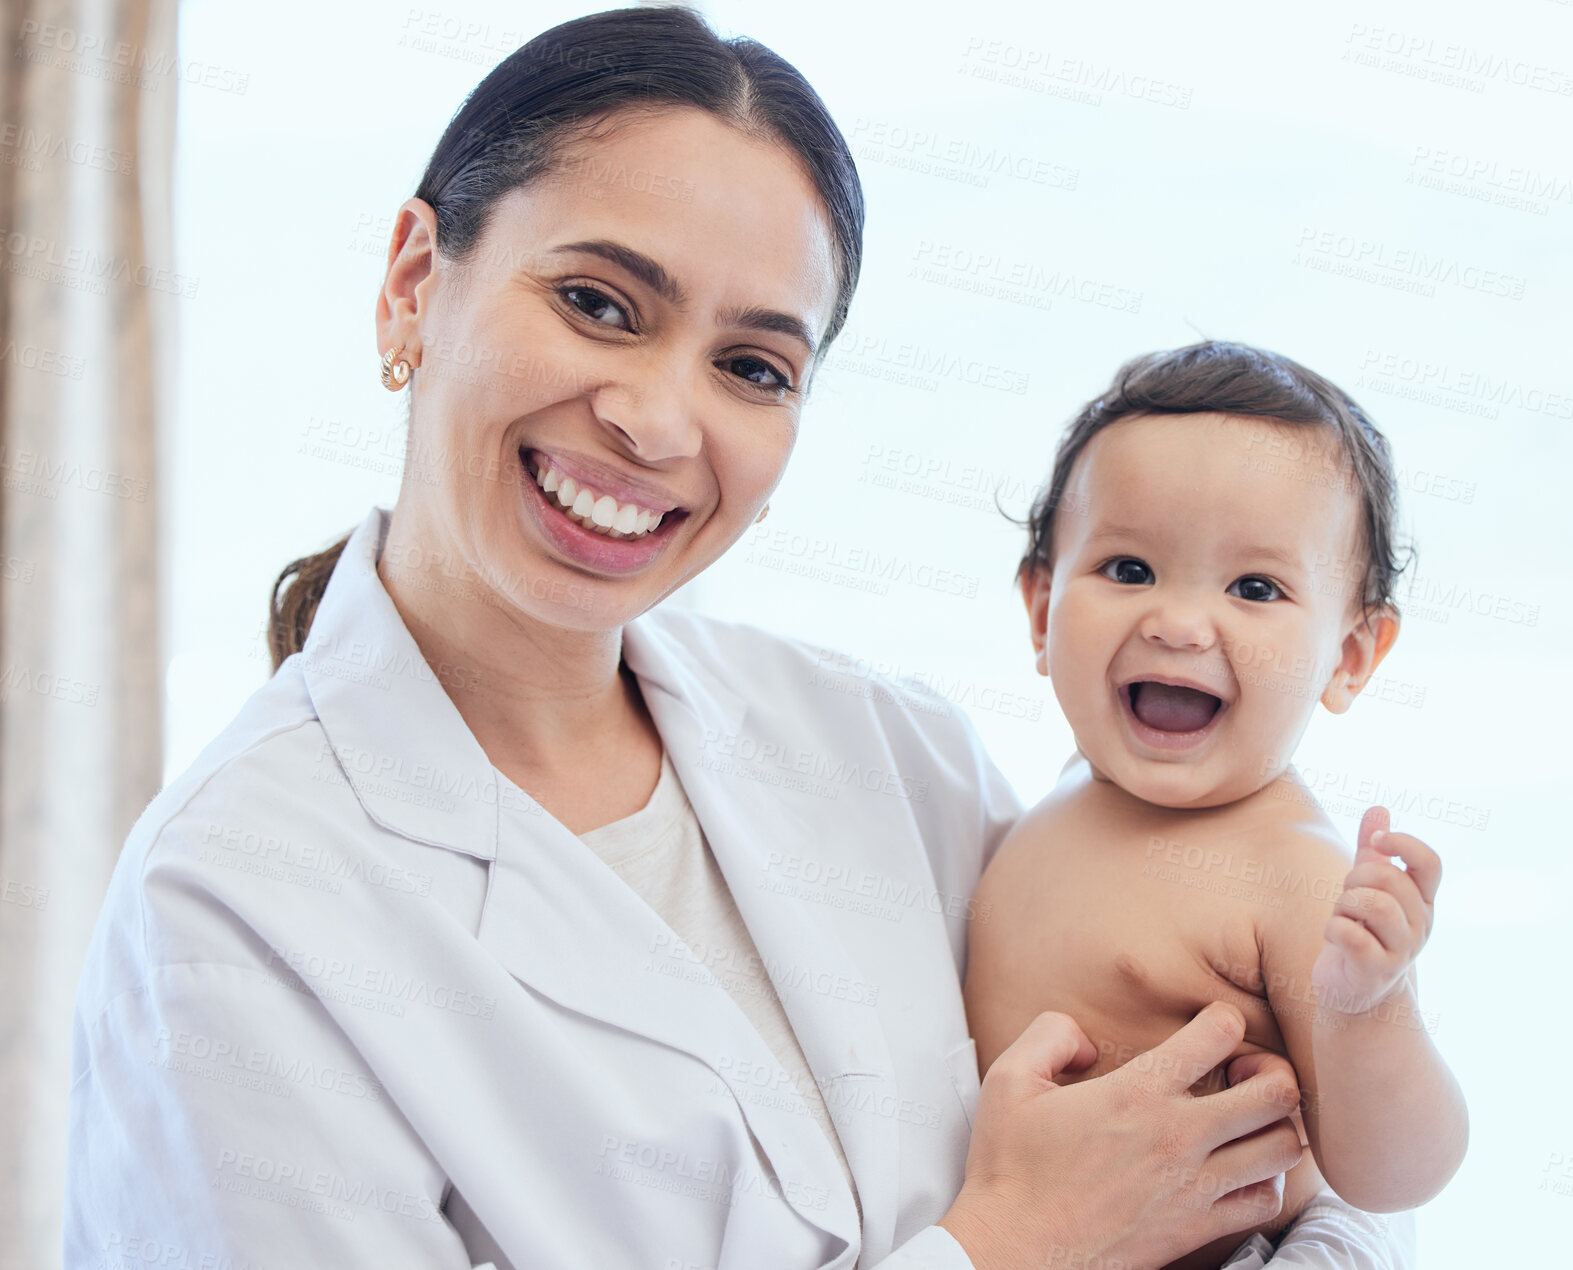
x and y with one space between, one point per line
561 921
744 821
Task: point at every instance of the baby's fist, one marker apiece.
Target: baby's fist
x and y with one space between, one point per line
1381 920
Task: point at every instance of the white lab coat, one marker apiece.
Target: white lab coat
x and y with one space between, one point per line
355 1000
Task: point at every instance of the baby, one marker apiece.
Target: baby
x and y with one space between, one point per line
1213 555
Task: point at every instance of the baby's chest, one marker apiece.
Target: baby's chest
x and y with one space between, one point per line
1137 963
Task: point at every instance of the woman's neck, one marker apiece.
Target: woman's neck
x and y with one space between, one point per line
551 706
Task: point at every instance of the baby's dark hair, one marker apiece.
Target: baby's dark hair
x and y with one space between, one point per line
1237 379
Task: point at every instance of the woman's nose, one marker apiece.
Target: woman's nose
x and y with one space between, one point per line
653 416
1176 621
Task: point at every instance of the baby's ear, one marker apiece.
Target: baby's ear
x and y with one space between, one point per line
1365 644
1035 594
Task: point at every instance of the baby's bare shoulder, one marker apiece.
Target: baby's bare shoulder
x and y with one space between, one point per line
1293 836
1060 823
1084 830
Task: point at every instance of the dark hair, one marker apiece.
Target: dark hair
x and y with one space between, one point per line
1237 379
554 90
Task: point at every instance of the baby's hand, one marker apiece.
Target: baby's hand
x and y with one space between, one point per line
1381 921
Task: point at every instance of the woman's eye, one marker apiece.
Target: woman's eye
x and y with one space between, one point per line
759 372
1129 571
1257 589
596 307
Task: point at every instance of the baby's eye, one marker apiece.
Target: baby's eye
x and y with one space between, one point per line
1254 588
595 306
1130 571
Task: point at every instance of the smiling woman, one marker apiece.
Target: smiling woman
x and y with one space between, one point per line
660 379
521 920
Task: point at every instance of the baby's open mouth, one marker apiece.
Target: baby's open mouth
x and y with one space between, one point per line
1170 708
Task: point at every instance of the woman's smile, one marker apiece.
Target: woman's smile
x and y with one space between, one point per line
589 524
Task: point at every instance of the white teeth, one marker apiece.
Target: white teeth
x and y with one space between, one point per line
600 512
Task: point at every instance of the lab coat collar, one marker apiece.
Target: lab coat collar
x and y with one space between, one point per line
406 751
412 761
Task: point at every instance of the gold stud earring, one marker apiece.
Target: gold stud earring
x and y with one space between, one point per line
762 514
394 373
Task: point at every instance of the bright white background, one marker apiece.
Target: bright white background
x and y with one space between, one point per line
1225 208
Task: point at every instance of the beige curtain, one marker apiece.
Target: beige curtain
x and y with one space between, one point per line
88 296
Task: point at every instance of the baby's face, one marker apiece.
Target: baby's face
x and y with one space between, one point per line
1203 598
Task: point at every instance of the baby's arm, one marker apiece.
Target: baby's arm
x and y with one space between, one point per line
1385 1118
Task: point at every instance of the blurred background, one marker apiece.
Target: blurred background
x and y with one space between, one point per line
196 202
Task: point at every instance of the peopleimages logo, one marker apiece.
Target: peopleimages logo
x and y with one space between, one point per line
857 352
1018 281
1438 381
833 770
954 158
1399 266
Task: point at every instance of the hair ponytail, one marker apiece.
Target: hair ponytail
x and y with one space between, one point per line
289 618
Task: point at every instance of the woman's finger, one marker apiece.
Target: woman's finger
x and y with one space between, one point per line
1241 1069
1264 1097
1198 1047
1261 1157
1249 1206
1050 1044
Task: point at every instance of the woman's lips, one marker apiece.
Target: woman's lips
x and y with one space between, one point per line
1173 709
585 547
599 476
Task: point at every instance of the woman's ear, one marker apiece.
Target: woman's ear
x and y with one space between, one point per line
411 257
1365 644
1035 594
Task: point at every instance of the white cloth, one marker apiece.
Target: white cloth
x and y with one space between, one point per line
1330 1233
350 979
661 852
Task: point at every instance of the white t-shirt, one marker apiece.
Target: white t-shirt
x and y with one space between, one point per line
661 852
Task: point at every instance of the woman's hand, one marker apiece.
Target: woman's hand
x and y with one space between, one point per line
1130 1167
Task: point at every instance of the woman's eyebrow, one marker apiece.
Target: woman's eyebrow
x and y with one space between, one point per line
650 272
637 263
758 319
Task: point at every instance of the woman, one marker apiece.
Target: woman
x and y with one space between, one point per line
510 921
